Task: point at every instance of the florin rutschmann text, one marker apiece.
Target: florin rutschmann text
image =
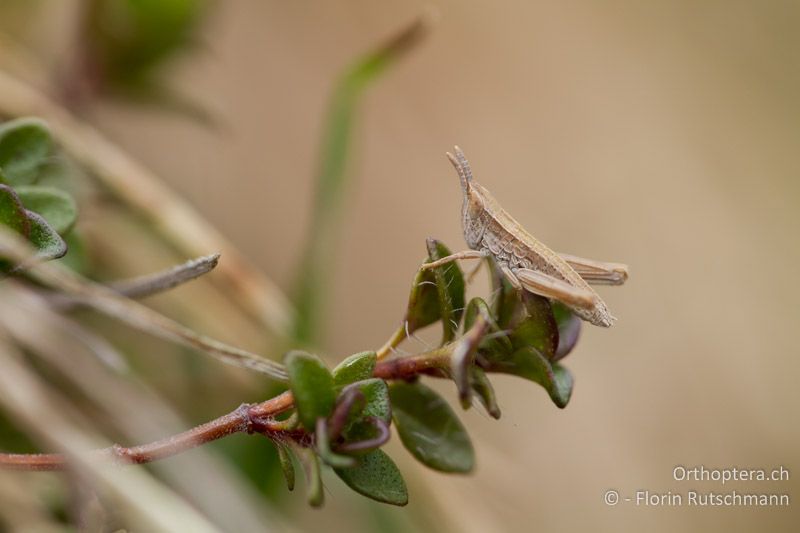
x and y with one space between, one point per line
695 497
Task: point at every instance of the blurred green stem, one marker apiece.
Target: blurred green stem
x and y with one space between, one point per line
320 251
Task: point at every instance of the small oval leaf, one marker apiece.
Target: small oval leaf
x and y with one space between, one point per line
56 206
437 294
355 368
25 145
429 429
12 212
312 386
376 404
530 364
287 467
310 462
539 328
49 244
569 330
377 477
485 391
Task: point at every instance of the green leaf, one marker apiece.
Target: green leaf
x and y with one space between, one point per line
530 364
496 343
507 302
25 145
312 386
49 244
429 429
539 328
130 38
437 294
377 404
485 391
12 212
56 206
310 462
355 368
332 176
330 457
569 330
377 477
284 456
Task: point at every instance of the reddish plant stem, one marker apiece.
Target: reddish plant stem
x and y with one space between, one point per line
247 418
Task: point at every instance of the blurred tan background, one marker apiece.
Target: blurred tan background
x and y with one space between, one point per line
660 134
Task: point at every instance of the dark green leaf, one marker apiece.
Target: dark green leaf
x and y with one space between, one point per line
49 244
376 395
377 477
324 448
437 294
12 212
312 386
57 207
429 429
355 368
495 342
539 328
310 462
530 364
130 38
569 329
508 304
25 145
485 391
284 456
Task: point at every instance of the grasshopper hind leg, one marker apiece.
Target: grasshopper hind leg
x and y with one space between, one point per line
585 303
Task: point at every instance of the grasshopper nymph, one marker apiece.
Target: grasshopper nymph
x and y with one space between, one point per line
528 264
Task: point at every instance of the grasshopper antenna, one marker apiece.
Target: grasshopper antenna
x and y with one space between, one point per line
462 167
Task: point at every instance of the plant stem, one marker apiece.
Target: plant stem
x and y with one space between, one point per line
247 418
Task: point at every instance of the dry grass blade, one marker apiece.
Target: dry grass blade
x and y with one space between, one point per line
150 284
143 500
136 315
64 346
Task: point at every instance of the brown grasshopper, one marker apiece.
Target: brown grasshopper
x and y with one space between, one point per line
528 264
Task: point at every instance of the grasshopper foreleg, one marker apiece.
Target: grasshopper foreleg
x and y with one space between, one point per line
466 254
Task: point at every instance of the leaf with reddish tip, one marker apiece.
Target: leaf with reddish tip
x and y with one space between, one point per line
569 330
376 405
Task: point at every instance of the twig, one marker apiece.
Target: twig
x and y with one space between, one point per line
247 418
157 282
132 313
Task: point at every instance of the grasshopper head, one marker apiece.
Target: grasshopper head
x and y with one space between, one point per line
473 204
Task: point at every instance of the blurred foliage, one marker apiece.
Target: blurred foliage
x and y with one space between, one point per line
41 214
130 39
331 181
340 418
348 412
